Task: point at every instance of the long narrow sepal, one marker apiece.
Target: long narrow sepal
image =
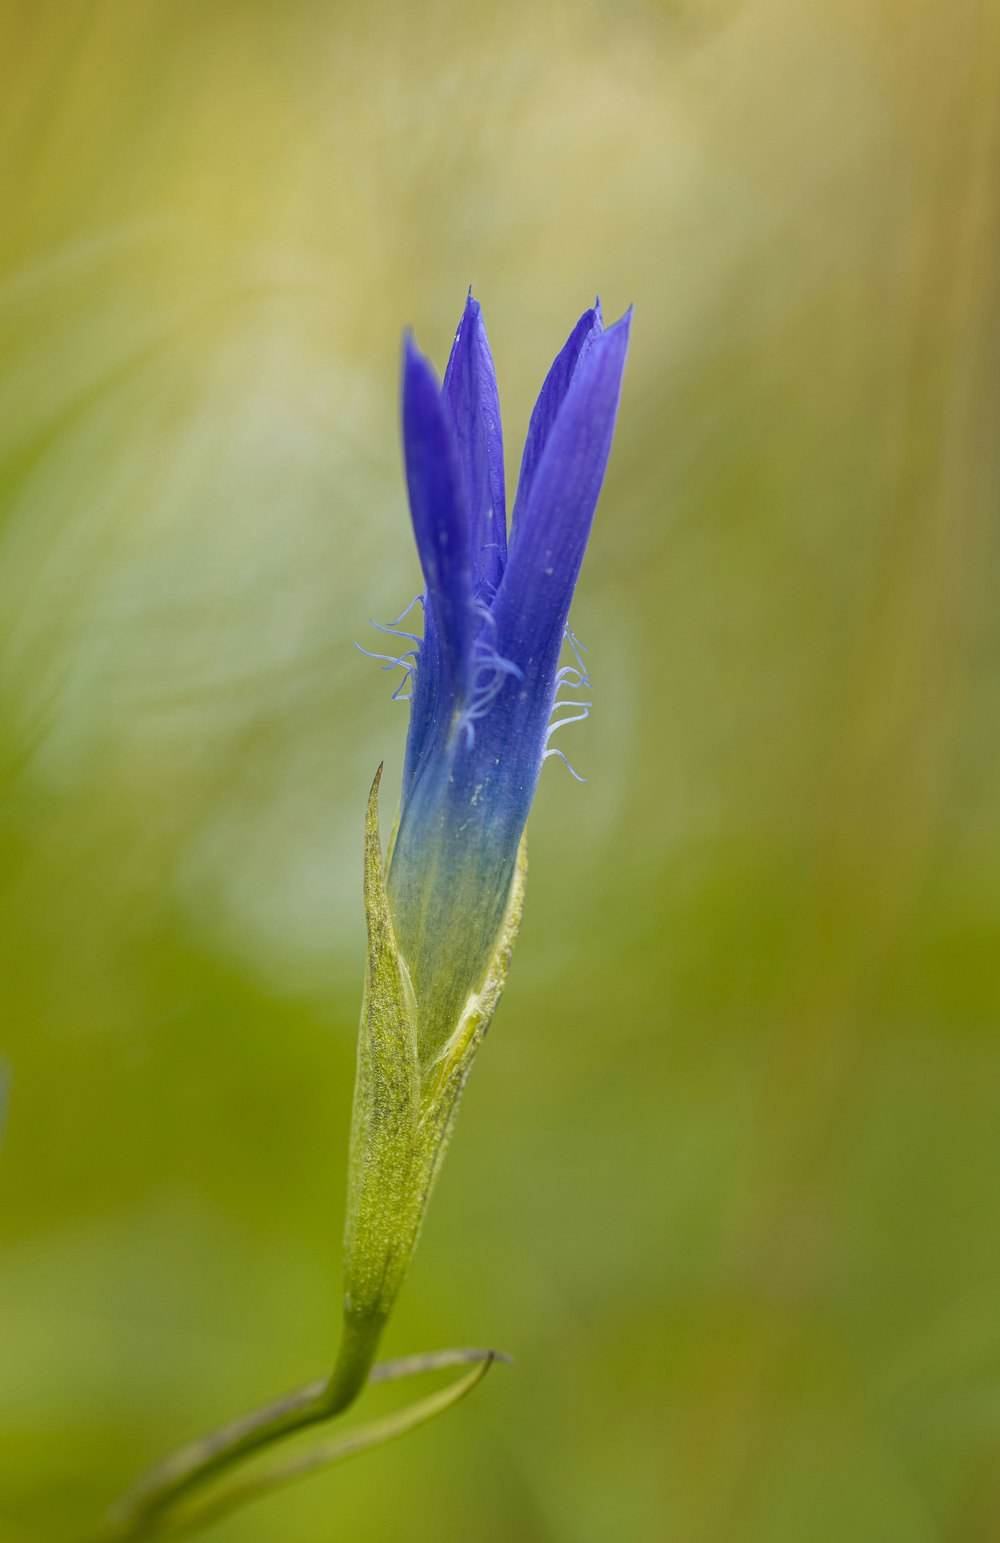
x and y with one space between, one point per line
384 1205
403 1114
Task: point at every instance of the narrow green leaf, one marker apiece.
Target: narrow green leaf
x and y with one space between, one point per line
377 1433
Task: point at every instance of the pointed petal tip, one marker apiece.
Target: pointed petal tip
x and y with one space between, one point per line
470 390
623 323
620 329
469 323
415 362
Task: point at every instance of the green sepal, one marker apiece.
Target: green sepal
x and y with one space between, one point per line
382 1211
445 1080
403 1115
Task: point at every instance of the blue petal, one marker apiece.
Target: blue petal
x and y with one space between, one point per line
430 708
470 389
550 399
556 513
440 523
471 775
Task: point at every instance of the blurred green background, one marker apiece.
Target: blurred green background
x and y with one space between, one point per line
726 1178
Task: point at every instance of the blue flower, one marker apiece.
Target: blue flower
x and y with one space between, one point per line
486 669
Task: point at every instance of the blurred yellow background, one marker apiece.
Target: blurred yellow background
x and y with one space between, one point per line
726 1177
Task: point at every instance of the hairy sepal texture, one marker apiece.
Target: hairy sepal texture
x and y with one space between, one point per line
404 1110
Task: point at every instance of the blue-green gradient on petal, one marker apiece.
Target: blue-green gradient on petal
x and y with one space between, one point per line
486 672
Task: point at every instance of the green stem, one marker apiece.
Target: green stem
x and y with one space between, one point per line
142 1510
219 1504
